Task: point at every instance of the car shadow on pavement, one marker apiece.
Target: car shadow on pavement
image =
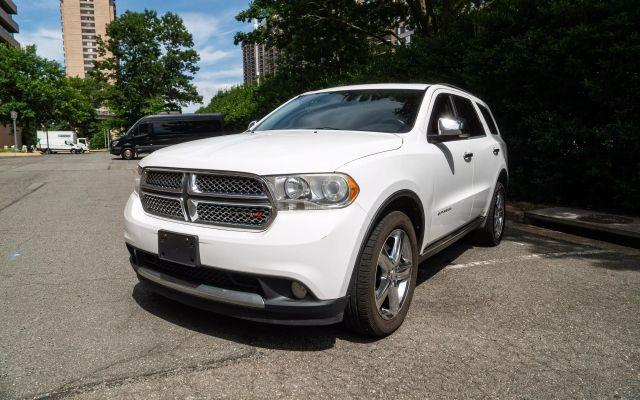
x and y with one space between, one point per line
275 337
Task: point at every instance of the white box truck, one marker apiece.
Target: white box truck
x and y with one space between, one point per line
61 141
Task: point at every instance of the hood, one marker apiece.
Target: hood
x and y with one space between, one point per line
274 152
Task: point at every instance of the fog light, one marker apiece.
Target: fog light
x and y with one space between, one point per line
298 290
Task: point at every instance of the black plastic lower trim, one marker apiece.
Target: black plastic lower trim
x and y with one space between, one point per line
277 310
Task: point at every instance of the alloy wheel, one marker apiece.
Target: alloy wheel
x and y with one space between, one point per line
393 274
498 215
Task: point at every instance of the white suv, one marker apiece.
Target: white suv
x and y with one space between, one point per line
323 210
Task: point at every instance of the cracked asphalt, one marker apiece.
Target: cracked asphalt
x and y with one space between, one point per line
544 315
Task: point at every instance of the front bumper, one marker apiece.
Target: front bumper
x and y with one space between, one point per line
116 151
316 248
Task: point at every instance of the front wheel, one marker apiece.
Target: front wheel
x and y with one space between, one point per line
128 154
385 278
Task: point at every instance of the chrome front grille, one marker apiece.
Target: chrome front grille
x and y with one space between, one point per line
209 198
163 206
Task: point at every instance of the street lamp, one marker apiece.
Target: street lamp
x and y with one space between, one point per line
14 117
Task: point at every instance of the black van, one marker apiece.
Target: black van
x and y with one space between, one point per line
157 131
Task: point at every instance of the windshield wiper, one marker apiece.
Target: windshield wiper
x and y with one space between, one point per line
327 128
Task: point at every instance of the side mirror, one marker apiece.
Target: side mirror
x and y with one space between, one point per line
252 124
449 128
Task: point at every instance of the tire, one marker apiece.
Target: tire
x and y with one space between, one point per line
73 151
47 151
128 154
365 315
493 230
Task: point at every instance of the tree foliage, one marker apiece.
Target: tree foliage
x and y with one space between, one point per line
147 66
237 104
561 76
39 91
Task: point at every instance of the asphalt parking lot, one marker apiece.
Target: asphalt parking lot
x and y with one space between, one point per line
544 315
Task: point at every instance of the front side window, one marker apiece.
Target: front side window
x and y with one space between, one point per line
143 129
468 114
376 110
442 108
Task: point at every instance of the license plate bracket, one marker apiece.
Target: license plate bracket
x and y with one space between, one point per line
178 248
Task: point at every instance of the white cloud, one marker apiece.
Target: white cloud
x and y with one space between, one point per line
48 41
209 55
207 90
235 72
201 26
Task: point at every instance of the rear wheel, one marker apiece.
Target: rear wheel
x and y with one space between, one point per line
385 278
493 230
128 154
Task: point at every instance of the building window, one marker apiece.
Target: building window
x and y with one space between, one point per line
88 62
88 31
89 56
88 24
88 5
89 44
88 37
87 18
90 12
88 50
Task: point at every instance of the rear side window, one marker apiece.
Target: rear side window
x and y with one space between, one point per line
486 114
441 108
166 128
466 112
206 126
202 127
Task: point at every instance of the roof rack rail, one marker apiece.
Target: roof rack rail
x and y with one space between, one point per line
452 86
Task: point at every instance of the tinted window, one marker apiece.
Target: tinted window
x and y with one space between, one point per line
489 119
202 127
467 113
143 129
442 108
392 111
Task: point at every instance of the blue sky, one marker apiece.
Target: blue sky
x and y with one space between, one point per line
211 22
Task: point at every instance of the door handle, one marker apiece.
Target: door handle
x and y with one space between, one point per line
468 156
496 151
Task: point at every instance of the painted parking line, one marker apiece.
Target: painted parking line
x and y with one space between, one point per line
529 257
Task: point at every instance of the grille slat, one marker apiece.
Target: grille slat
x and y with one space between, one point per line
209 198
171 208
229 185
252 216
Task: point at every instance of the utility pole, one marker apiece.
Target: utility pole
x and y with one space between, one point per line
14 117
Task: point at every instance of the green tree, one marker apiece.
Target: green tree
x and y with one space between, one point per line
237 106
147 65
39 90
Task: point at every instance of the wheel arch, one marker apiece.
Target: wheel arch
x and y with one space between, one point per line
404 200
503 178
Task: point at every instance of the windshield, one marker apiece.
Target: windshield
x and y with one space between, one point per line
376 110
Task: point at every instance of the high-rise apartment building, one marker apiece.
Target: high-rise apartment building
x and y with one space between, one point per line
258 61
7 28
7 25
82 22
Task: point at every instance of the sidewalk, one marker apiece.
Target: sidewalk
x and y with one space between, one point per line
9 154
614 226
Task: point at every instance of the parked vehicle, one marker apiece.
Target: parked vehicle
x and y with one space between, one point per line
323 210
83 143
60 141
157 131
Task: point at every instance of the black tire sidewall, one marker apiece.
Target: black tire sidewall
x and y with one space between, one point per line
492 213
394 220
127 154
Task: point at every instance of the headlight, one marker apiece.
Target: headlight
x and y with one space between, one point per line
136 181
313 191
114 143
